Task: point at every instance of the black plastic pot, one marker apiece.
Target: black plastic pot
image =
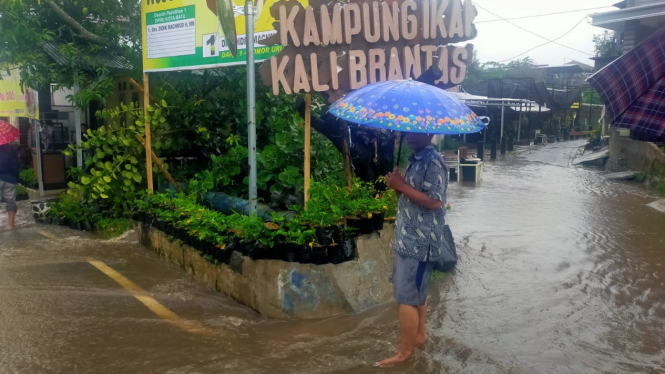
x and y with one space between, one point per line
324 235
353 222
178 233
377 220
22 197
349 248
366 226
48 220
258 251
303 254
86 226
191 239
319 255
62 221
246 246
336 254
217 253
338 233
200 245
75 225
149 219
290 252
232 244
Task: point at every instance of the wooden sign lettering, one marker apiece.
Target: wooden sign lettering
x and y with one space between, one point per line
366 41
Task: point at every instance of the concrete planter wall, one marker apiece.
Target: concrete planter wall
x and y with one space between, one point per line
278 289
635 155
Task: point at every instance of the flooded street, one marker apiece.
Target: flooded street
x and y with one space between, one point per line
560 271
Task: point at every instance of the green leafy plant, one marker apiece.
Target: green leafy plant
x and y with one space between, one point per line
116 172
27 176
21 190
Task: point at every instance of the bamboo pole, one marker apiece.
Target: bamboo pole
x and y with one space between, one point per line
347 155
154 157
159 164
308 134
148 140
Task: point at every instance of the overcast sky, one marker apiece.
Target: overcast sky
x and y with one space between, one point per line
501 40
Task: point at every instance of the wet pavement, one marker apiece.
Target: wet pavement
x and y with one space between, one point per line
560 271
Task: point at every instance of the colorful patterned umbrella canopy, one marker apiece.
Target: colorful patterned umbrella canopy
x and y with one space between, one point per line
408 106
8 133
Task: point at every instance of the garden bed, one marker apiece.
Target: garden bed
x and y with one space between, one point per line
280 289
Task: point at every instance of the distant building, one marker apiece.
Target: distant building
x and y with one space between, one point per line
572 73
632 23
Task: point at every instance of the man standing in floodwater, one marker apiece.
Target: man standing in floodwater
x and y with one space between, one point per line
419 228
9 170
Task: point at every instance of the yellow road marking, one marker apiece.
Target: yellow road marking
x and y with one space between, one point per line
141 295
47 234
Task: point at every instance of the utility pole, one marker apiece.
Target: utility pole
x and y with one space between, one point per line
251 105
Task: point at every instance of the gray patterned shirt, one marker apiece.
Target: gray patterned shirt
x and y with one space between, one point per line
419 230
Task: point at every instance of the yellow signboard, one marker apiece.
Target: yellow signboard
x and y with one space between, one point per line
198 34
16 101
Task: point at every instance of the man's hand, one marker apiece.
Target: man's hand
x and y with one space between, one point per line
395 181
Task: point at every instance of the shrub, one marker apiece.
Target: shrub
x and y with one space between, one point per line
111 227
27 176
21 190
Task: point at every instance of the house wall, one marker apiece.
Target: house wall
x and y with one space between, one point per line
124 93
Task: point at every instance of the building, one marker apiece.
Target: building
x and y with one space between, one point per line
632 23
572 73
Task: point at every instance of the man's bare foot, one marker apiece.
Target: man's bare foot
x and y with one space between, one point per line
392 361
421 340
11 227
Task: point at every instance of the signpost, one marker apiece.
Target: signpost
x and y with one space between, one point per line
201 34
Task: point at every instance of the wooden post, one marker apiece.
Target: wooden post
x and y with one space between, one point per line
154 157
159 164
308 133
148 140
347 155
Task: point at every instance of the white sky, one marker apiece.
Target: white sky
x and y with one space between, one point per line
501 40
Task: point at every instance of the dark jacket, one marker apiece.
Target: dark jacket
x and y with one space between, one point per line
9 163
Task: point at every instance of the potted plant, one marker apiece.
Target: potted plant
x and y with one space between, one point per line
349 244
319 254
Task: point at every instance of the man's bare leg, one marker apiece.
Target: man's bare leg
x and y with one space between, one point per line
421 338
408 320
12 215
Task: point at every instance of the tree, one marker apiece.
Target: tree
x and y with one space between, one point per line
478 71
85 33
603 45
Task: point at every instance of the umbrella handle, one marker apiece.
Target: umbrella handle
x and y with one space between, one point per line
399 151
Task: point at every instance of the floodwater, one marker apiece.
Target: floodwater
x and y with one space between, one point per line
560 272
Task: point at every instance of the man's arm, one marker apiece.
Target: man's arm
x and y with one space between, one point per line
395 181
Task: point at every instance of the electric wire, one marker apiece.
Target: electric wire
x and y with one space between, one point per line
538 35
539 15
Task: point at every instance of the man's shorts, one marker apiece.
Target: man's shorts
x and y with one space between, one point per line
8 194
411 280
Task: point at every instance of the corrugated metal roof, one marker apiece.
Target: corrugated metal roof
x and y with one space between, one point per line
112 61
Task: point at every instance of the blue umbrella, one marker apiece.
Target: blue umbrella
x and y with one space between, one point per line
408 106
